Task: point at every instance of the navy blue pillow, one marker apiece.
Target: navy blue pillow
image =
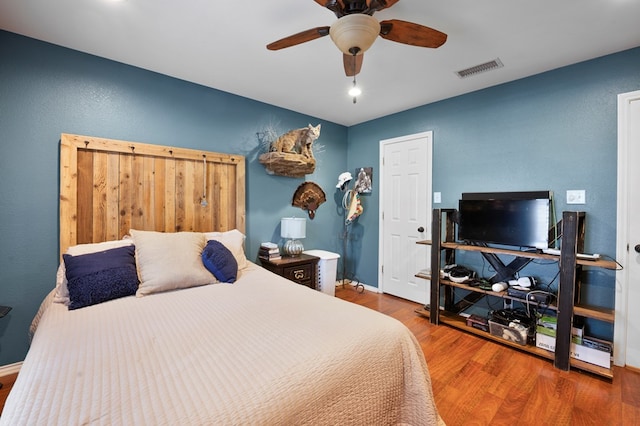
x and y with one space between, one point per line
98 277
220 261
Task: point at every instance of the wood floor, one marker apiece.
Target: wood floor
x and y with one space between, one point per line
7 382
479 382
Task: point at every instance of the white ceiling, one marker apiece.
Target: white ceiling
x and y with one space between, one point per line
221 44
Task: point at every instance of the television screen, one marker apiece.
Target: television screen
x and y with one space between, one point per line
509 218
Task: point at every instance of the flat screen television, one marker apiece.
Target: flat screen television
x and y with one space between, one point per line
507 218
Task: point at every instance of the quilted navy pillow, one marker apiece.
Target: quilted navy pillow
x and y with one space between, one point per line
219 260
98 277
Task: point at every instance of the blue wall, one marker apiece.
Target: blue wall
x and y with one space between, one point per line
554 131
47 90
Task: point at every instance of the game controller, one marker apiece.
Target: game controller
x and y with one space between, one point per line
523 282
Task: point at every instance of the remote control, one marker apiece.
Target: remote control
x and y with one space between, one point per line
551 251
585 256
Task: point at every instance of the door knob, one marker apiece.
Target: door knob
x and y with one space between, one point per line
637 248
421 229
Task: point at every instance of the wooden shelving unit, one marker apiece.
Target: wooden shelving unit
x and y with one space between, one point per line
570 265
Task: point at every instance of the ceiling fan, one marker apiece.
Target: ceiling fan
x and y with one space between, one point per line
356 30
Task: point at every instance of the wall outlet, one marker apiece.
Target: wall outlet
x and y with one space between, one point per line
437 197
576 196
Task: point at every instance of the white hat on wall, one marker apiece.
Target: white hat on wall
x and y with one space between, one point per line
343 179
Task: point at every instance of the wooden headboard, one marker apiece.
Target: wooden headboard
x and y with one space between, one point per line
109 186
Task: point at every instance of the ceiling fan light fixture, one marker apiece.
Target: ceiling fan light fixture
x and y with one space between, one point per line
356 30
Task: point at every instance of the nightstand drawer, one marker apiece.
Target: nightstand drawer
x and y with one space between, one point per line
298 273
302 269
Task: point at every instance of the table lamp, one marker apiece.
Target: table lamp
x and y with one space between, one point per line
293 228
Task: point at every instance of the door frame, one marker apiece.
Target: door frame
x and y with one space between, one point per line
622 229
429 135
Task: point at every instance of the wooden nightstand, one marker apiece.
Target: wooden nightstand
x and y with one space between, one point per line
302 269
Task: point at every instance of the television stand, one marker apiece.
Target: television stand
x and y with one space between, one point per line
444 247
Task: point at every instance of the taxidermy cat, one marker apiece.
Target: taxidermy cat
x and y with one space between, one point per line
298 141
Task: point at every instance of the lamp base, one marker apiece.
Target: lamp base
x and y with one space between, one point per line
292 248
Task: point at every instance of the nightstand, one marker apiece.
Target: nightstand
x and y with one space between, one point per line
302 269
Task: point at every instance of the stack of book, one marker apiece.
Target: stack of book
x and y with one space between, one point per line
269 251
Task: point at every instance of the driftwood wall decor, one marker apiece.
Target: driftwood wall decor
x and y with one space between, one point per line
292 153
290 165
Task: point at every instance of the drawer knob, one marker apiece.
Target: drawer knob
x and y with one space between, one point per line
299 274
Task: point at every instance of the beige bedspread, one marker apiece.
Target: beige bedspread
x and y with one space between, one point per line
262 351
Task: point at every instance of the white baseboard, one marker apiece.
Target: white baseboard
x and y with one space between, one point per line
5 370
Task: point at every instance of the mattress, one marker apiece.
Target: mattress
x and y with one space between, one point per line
260 351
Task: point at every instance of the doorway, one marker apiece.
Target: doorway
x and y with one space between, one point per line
627 323
405 215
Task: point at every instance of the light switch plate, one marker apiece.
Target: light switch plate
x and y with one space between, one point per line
576 196
437 197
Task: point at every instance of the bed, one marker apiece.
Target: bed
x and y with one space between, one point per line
154 340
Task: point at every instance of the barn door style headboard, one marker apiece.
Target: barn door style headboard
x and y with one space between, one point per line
109 186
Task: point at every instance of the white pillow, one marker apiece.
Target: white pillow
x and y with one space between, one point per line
62 291
169 261
234 241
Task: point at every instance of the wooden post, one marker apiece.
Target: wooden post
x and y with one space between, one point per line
436 236
566 289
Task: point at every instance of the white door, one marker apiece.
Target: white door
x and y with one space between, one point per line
405 215
627 326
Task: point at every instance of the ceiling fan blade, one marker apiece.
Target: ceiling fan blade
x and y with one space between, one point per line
410 33
299 38
327 3
352 64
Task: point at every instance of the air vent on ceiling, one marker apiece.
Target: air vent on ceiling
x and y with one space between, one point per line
487 66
